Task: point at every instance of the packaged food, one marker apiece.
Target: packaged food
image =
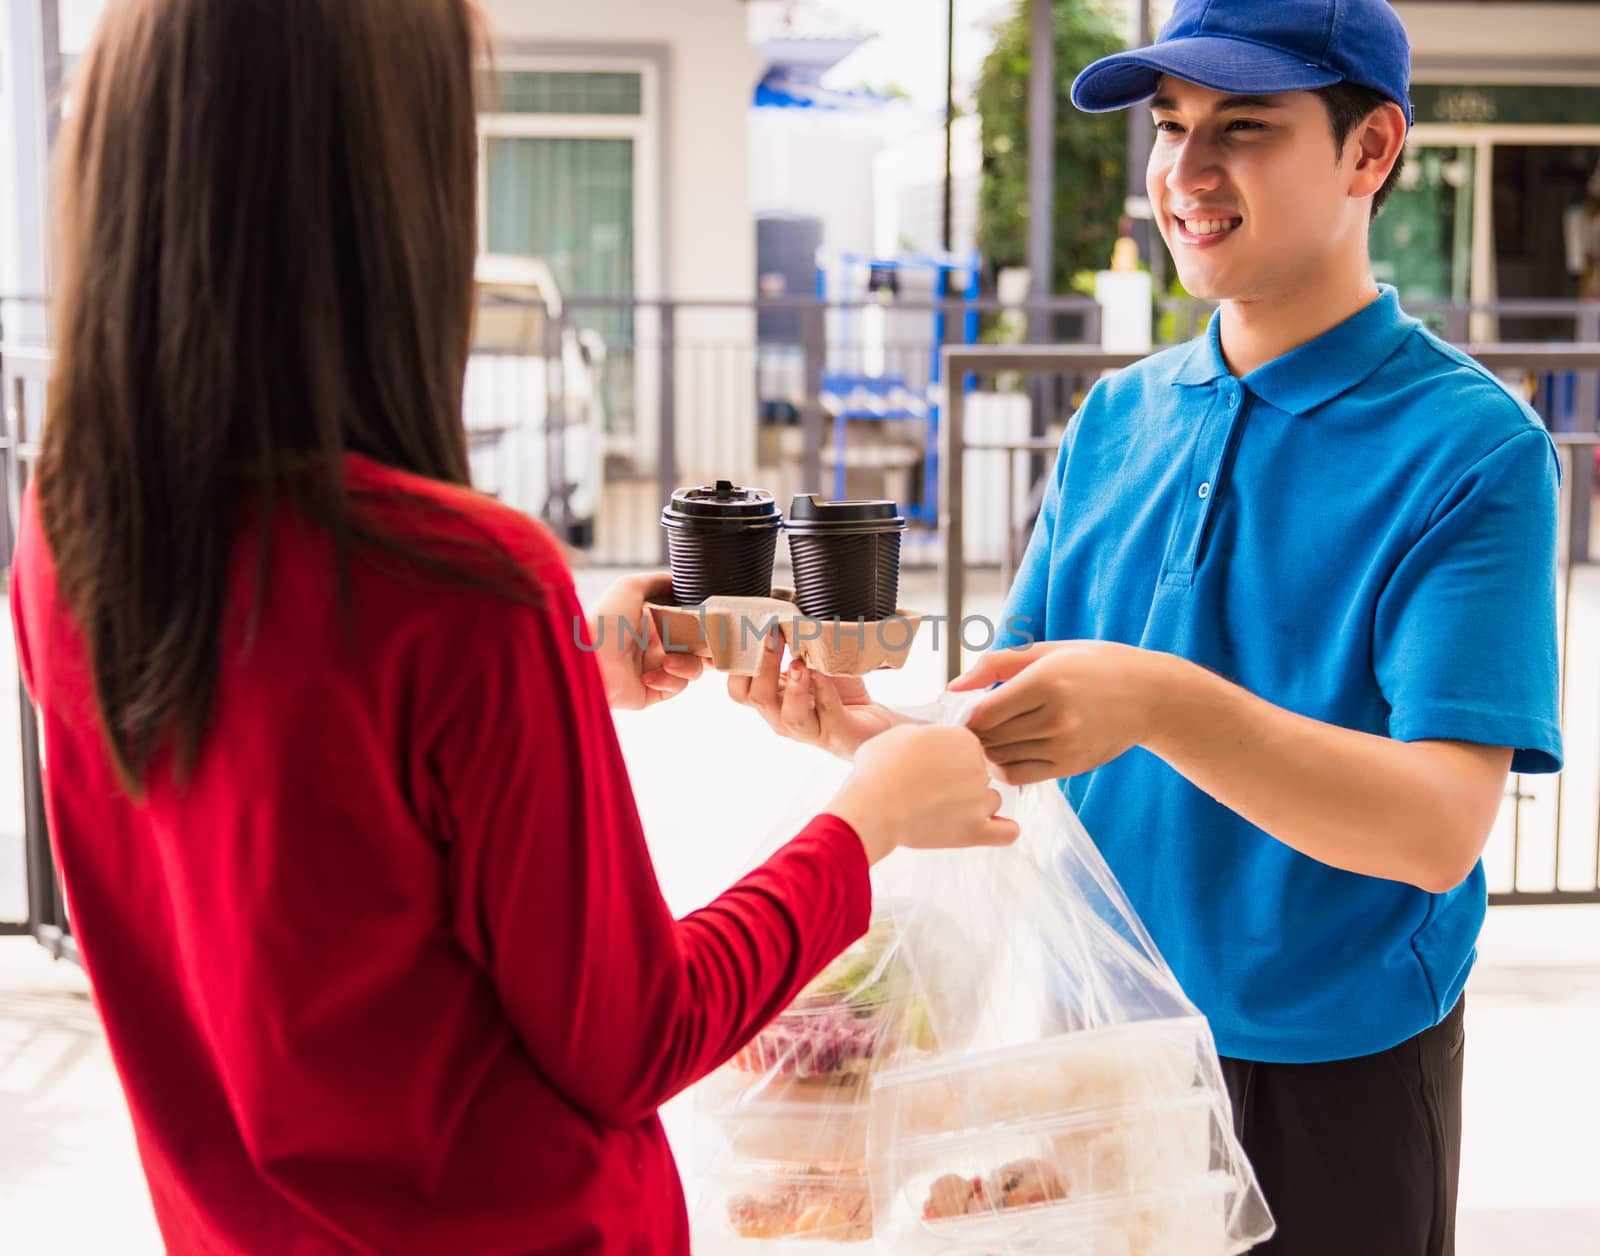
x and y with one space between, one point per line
814 1202
1138 1064
1025 1176
786 1122
902 990
1189 1220
1006 1062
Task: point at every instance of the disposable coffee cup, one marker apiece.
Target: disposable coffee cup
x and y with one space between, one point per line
721 540
846 557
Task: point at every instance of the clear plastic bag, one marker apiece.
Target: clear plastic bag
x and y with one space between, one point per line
1003 1064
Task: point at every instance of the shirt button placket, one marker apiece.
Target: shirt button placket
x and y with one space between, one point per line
1231 396
1215 433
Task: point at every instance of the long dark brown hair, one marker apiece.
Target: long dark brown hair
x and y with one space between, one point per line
267 217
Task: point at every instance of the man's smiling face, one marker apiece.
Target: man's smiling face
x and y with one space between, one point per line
1249 192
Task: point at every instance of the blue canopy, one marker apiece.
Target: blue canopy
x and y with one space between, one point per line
781 88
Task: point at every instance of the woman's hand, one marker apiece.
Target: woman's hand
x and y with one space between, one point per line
925 786
636 677
834 712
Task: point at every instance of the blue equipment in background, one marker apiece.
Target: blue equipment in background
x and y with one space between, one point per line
855 396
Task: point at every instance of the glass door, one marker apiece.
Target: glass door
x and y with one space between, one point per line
1422 241
570 203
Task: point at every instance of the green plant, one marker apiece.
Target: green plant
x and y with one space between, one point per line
1090 149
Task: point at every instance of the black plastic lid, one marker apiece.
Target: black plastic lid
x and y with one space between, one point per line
723 504
807 514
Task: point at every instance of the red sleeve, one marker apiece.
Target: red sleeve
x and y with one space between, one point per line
619 1005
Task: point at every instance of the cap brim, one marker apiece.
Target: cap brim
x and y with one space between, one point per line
1214 61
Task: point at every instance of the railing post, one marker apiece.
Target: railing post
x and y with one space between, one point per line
556 490
952 441
814 334
47 916
1586 416
667 429
44 906
1008 548
8 453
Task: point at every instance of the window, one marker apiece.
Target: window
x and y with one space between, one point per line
568 92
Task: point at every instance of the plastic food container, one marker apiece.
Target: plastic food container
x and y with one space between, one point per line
872 1007
785 1123
831 1041
1046 1162
1106 1137
803 1203
1190 1219
1142 1063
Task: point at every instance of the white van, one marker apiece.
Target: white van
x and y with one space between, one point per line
528 363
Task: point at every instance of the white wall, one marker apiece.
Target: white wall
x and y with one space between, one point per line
23 182
711 75
9 186
814 161
709 242
709 247
1502 32
24 179
909 177
1495 32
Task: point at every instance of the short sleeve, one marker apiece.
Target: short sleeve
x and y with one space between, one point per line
1465 635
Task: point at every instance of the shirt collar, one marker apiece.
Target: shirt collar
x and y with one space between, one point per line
1204 363
1317 371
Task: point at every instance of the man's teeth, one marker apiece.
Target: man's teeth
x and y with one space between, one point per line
1209 226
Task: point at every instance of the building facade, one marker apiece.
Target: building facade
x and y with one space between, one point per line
1501 195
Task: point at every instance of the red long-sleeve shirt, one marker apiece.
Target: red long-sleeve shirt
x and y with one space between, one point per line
392 973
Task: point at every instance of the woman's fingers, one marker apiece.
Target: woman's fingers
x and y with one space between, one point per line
831 713
990 829
799 708
744 690
826 690
684 666
664 683
1000 832
764 695
649 586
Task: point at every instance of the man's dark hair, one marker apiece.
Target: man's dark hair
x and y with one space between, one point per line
1348 106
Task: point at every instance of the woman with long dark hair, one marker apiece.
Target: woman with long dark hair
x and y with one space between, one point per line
344 831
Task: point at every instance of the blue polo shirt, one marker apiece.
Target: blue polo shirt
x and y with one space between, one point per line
1362 531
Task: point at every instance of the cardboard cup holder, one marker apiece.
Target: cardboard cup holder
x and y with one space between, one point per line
731 632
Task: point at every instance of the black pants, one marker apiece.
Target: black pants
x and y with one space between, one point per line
1358 1157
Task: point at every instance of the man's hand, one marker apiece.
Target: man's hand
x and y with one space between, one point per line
834 712
636 678
1418 812
1063 707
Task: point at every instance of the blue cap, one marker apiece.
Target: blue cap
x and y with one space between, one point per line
1260 47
